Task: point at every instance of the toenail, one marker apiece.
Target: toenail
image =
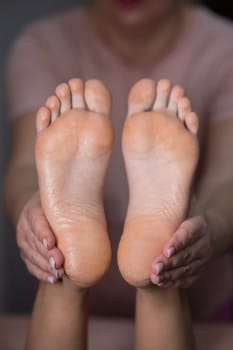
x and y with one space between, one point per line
170 252
159 267
45 243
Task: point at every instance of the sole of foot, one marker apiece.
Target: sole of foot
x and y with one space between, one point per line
161 153
72 151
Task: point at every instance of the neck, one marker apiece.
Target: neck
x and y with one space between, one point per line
144 45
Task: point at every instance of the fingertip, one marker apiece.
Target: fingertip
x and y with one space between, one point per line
45 243
158 267
51 242
169 252
58 257
60 272
154 279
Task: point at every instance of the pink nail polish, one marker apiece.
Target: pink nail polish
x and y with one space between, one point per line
51 280
170 252
160 284
52 262
159 267
45 243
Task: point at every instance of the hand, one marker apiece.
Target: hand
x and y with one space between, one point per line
184 256
37 243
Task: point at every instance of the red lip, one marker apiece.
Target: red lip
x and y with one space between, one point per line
129 3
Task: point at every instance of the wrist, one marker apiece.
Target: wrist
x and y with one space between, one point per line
216 229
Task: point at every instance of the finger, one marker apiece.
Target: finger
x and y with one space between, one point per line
54 256
39 246
187 256
188 233
181 273
60 272
159 265
58 257
40 274
40 227
162 284
36 259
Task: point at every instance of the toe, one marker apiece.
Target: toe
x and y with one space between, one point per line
43 119
97 97
184 107
192 122
141 96
176 94
53 103
77 93
63 93
162 94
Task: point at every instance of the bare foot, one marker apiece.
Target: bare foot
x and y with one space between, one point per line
73 148
161 152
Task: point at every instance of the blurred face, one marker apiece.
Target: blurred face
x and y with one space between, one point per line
132 14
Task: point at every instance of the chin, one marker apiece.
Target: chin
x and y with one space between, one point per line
137 13
133 14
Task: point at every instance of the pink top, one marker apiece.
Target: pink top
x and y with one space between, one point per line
64 46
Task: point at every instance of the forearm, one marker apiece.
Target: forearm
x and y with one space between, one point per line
20 185
216 206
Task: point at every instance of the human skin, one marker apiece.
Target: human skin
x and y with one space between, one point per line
214 183
75 209
22 160
213 221
59 318
20 193
161 152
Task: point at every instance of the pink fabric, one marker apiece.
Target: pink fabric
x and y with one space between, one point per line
64 46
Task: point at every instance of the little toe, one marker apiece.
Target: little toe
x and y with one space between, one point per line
184 107
63 93
162 95
53 103
141 96
77 93
176 93
43 119
98 97
192 122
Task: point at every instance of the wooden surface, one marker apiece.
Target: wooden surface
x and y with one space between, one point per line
113 334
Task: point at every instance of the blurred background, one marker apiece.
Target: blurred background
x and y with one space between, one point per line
16 294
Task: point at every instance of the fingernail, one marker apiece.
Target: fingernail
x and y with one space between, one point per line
160 284
52 262
51 280
170 252
159 268
54 270
45 243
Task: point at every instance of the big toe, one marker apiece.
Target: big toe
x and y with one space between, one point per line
98 98
141 96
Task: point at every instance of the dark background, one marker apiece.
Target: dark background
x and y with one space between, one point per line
16 286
